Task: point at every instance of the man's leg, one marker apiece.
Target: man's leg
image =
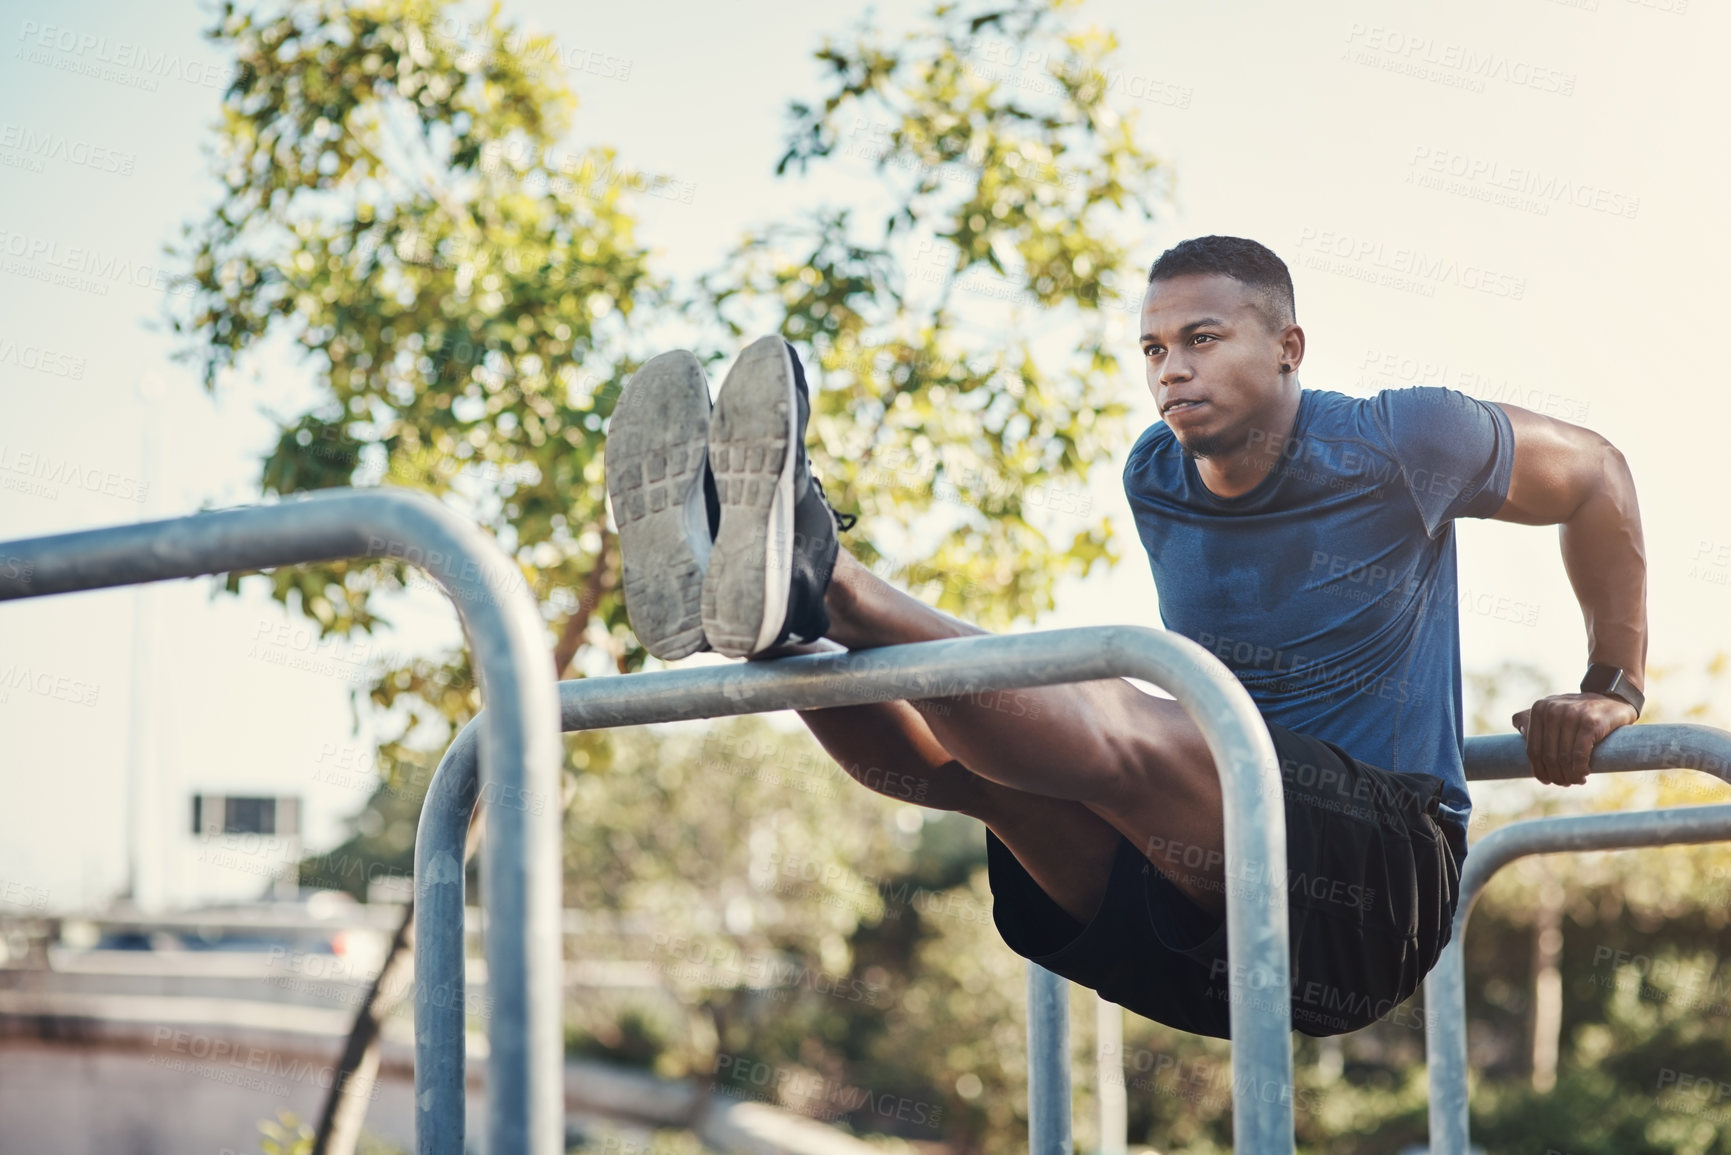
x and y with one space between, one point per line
1132 760
776 575
888 748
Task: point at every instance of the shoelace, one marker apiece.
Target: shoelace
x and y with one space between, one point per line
843 521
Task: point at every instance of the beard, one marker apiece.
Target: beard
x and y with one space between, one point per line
1208 445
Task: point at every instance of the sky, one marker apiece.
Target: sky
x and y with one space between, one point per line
1520 199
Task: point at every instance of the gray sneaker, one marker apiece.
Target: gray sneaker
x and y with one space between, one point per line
664 501
776 545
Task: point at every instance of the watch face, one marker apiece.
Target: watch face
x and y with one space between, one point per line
1600 679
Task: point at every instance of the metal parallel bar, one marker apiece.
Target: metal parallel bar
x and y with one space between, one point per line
1236 735
1445 986
1109 1078
1049 1116
518 742
1445 1047
1659 746
440 997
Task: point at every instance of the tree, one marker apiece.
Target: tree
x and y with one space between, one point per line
398 204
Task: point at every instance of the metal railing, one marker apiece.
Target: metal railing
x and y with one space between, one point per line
519 739
516 739
1659 746
1236 736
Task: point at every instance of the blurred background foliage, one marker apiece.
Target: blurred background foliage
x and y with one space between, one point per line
407 200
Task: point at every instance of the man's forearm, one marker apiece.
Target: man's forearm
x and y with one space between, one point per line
1606 560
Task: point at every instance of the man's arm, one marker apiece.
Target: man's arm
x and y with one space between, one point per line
1572 477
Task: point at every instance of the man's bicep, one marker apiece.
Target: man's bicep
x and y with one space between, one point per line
1557 465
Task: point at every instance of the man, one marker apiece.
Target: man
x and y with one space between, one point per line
1303 536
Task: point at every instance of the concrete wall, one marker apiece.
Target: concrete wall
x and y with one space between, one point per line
134 1059
71 1098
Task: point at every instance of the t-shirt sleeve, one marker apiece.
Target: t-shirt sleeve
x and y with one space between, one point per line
1455 453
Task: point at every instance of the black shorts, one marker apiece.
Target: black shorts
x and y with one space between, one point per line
1373 873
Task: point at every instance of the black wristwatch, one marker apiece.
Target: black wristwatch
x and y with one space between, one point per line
1602 679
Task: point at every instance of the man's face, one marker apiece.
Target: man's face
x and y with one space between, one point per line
1213 364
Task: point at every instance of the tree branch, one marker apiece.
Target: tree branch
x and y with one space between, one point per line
602 578
357 1071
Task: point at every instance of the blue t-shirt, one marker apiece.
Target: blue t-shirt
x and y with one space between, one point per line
1329 589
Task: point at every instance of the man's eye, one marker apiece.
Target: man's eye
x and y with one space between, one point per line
1150 350
1205 337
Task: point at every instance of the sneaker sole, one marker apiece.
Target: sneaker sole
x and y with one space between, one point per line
657 447
752 453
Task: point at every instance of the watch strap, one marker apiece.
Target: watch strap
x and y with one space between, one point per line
1611 681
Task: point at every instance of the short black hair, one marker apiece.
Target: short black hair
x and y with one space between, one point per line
1246 261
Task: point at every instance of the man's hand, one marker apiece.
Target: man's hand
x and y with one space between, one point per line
1562 730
